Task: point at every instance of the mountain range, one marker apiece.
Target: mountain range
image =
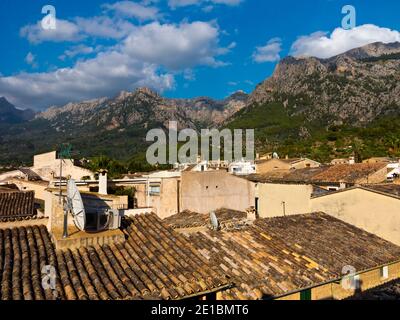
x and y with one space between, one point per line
321 108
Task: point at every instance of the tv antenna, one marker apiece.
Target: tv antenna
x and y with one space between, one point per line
64 153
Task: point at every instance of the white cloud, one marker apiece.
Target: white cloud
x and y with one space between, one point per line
184 3
132 9
268 53
104 75
80 49
150 56
65 31
322 45
104 27
176 47
78 29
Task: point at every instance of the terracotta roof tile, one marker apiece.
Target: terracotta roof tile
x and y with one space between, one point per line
227 218
154 262
278 255
16 204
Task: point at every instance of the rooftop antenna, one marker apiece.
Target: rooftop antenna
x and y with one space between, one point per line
214 221
74 205
65 153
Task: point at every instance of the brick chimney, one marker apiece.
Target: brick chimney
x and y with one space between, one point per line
252 214
103 182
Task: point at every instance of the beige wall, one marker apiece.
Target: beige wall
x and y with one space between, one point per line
270 197
373 212
271 165
46 165
203 192
165 204
36 186
280 164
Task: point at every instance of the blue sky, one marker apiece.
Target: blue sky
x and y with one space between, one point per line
181 48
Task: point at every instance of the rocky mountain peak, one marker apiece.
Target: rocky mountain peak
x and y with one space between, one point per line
354 87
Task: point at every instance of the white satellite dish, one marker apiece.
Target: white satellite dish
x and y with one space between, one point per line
214 221
75 204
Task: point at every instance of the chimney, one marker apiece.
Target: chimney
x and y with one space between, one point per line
251 214
103 182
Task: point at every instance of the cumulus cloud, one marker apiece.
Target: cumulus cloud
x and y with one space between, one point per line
104 27
177 47
184 3
78 29
325 45
65 31
104 75
80 49
268 53
150 56
132 9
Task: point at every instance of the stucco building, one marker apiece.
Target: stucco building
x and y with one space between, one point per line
374 208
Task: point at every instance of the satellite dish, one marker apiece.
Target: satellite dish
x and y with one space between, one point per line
75 204
214 221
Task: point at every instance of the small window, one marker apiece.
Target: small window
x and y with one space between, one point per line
385 272
305 295
154 190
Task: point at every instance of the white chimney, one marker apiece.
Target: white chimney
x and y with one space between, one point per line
103 182
251 214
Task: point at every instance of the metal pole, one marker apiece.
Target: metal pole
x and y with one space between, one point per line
65 234
59 197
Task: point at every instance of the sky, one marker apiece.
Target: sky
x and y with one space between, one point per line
179 48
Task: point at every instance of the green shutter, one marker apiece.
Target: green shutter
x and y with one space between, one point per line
305 294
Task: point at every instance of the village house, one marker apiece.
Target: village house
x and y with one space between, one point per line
374 208
47 167
265 166
246 257
350 160
204 192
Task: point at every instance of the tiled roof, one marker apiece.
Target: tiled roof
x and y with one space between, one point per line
154 262
226 217
278 255
388 188
14 204
349 173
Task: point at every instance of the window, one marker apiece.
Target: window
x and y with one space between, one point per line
154 190
305 295
385 272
